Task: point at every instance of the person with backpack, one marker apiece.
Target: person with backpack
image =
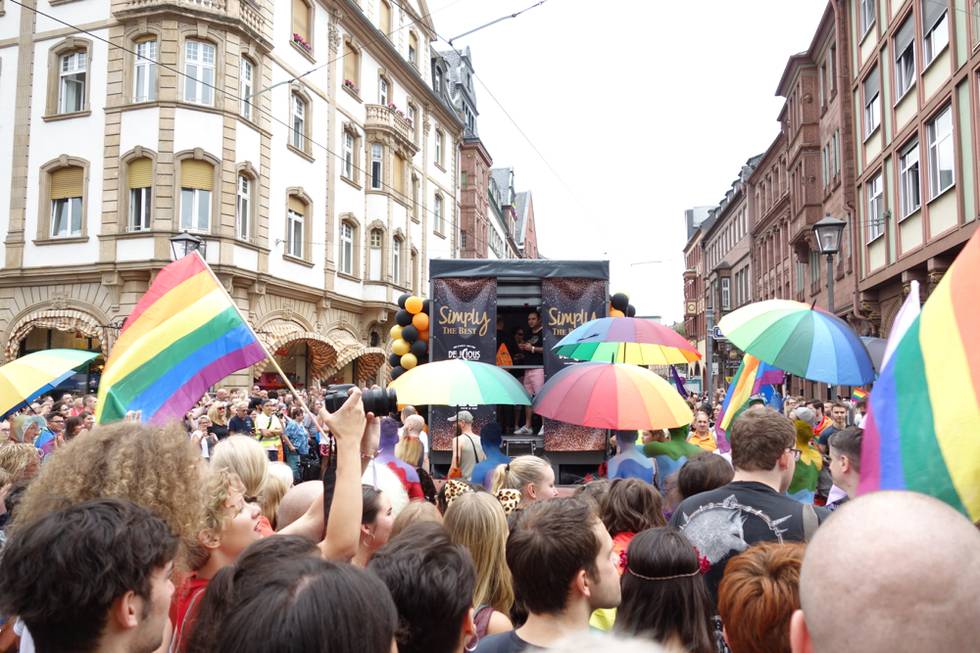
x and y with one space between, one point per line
467 450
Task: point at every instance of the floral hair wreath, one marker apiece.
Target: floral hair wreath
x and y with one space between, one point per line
704 565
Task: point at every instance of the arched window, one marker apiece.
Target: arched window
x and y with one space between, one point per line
199 72
70 63
346 255
139 175
67 198
246 86
377 166
145 69
243 207
196 187
299 134
437 214
297 210
375 247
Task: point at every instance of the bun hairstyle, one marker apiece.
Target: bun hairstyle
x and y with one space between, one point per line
518 473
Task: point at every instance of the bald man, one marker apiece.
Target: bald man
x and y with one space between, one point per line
890 571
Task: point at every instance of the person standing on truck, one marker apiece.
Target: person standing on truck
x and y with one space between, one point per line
533 348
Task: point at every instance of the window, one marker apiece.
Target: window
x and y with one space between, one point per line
821 96
415 198
875 213
905 57
437 81
196 184
384 17
413 49
242 207
872 105
347 248
825 160
832 61
352 66
139 175
145 73
382 91
868 15
396 261
909 182
301 25
66 190
245 87
376 243
437 216
835 142
199 61
941 165
295 219
726 294
348 154
413 117
814 271
935 29
377 165
73 74
297 137
398 175
439 147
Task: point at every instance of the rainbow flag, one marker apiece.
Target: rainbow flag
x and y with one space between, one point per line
184 335
751 376
923 427
859 394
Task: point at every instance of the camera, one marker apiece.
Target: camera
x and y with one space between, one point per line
381 401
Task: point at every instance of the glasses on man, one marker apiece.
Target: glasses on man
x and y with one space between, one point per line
796 453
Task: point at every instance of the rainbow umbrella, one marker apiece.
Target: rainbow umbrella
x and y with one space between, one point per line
459 383
24 379
612 396
626 340
800 339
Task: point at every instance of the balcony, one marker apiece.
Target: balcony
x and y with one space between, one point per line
389 119
248 13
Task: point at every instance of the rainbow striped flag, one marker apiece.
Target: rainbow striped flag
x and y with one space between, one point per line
184 335
922 431
859 394
751 376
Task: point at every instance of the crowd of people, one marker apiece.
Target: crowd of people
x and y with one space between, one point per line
266 523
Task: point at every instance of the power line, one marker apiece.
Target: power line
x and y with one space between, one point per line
494 22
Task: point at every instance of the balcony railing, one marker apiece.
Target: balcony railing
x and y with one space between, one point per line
379 116
249 12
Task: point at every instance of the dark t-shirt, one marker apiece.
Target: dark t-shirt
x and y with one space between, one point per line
726 521
507 642
243 425
536 340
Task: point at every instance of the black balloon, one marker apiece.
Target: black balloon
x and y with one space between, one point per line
403 318
631 311
620 301
410 333
397 372
419 347
394 360
402 300
427 307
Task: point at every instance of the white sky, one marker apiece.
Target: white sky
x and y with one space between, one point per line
643 107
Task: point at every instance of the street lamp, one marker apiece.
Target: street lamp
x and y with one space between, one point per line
184 243
828 233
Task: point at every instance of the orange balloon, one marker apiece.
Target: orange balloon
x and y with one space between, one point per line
420 321
424 335
616 313
413 304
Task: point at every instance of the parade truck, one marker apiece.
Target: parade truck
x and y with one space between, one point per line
480 312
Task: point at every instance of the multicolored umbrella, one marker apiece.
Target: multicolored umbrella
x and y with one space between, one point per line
612 396
800 339
24 379
459 383
627 340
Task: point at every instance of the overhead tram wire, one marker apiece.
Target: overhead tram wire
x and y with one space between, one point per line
394 191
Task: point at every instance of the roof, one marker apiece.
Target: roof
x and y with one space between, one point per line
502 178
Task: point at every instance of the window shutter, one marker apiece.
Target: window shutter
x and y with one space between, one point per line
301 19
932 11
904 35
871 85
67 182
140 173
296 205
350 63
196 174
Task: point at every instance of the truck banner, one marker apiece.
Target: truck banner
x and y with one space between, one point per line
566 304
463 325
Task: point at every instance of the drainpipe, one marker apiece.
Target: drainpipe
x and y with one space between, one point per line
847 125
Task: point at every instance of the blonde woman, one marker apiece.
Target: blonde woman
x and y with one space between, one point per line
533 477
477 521
247 459
279 481
218 414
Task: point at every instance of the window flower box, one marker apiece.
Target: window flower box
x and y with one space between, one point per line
302 42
